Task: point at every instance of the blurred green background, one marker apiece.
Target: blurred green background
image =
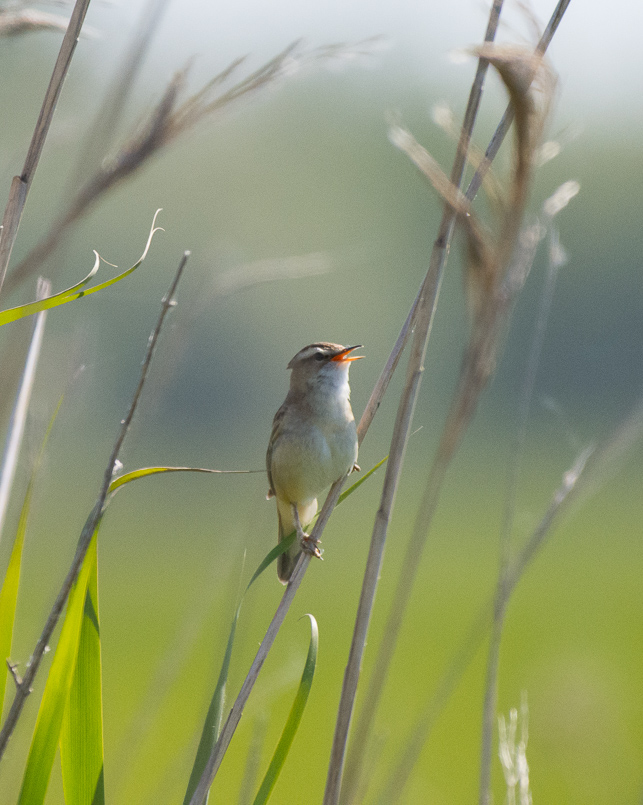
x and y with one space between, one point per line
305 171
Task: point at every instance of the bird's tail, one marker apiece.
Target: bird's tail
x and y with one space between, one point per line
286 561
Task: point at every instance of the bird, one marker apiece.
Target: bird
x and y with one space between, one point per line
313 442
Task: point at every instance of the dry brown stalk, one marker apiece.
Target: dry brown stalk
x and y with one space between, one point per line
423 320
493 280
21 184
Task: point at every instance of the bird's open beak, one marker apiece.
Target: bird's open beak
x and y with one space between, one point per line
343 356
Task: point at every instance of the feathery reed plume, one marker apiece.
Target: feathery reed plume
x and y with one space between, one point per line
422 314
552 206
171 118
496 267
26 20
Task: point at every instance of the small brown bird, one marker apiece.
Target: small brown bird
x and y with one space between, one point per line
313 441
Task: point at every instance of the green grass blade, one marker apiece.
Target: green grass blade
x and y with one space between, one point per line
212 725
213 718
357 484
11 583
9 593
146 472
54 700
76 291
81 739
292 724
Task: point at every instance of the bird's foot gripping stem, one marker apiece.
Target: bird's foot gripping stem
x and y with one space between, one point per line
308 543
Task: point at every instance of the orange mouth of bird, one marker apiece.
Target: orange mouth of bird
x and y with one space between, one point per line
344 356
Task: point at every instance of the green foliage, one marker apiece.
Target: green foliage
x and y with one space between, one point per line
76 291
212 725
296 712
81 739
11 583
57 690
9 592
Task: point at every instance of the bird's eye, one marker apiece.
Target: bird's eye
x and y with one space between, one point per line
319 356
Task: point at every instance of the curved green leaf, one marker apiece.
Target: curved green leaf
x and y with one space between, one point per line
9 593
292 724
145 472
212 725
76 291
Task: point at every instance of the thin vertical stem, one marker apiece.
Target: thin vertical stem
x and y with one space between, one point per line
508 116
402 593
19 414
423 323
21 184
503 591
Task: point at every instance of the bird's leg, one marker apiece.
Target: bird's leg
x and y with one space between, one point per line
308 544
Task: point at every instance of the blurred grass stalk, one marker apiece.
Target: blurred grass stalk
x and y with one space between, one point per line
19 415
492 284
172 117
21 184
556 259
422 320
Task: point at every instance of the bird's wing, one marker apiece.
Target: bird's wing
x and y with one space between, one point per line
276 428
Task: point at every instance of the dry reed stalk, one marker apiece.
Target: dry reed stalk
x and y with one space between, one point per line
556 259
172 118
423 321
491 288
98 138
21 184
507 118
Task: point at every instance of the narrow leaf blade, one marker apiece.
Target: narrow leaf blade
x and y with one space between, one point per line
73 293
81 740
11 583
358 483
294 719
9 594
54 700
212 725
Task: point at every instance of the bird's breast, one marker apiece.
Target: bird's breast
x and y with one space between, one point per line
308 457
